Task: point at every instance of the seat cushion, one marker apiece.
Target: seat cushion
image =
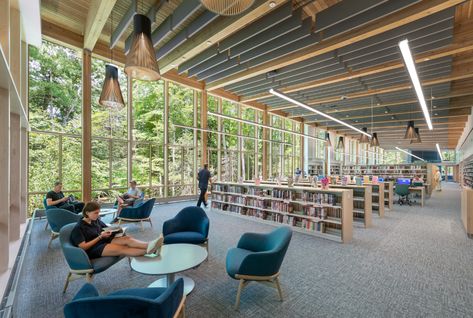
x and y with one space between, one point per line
184 237
148 293
102 263
234 258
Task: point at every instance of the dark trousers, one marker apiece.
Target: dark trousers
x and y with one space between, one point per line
202 197
75 207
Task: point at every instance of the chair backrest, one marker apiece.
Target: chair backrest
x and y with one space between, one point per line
417 184
45 203
76 257
191 218
402 189
57 218
124 303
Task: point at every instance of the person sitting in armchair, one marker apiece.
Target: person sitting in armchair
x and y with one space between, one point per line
127 199
55 198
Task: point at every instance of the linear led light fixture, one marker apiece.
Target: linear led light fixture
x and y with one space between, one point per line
232 135
438 149
409 154
298 103
411 68
249 122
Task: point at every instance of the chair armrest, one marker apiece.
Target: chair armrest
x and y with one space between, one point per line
88 290
204 227
260 264
77 258
252 241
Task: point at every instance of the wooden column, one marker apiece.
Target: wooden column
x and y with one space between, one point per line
5 180
15 47
195 142
166 138
219 141
264 166
5 27
24 135
15 175
239 146
302 159
204 125
257 141
129 121
86 126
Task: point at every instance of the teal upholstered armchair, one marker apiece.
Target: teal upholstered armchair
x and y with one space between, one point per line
140 213
79 262
57 218
134 302
258 257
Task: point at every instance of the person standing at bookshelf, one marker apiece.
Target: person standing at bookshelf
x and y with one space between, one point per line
203 176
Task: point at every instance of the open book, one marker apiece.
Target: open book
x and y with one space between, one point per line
120 231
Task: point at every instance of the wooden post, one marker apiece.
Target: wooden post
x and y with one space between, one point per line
166 138
5 28
195 152
129 117
24 134
239 146
302 159
5 180
15 175
86 126
257 141
264 166
219 141
204 125
15 47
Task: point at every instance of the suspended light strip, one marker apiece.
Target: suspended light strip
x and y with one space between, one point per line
232 135
411 68
249 122
291 100
409 153
438 149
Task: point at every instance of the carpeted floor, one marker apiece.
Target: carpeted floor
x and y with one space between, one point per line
415 262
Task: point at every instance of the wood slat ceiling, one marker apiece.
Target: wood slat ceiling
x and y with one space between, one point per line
394 102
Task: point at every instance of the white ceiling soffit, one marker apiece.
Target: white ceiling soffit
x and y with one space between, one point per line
31 21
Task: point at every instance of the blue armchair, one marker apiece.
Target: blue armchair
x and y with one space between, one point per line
140 213
258 257
135 302
57 218
190 225
78 260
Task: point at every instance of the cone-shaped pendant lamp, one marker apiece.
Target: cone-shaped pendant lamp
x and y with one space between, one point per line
341 143
327 139
364 139
374 140
141 59
410 131
111 95
227 7
417 140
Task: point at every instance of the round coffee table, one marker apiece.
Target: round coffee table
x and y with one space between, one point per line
174 258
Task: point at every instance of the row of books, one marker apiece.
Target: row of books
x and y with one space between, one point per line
321 198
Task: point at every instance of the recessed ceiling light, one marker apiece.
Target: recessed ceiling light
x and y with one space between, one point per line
272 4
356 121
435 106
378 104
347 115
386 112
392 117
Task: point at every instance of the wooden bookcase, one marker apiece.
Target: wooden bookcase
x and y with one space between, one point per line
388 194
323 213
362 203
378 198
467 210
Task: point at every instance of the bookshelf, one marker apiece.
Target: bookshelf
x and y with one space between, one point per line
388 194
467 210
335 169
378 198
362 203
316 169
467 173
323 213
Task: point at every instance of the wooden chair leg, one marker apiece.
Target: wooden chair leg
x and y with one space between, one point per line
142 228
88 277
46 226
67 282
150 223
240 287
52 237
276 281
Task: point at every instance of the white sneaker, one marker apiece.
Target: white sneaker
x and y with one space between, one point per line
155 245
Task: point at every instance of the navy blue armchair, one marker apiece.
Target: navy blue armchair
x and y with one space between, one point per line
140 213
190 225
258 257
57 218
134 302
79 263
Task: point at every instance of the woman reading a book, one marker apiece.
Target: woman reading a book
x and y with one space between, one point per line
92 235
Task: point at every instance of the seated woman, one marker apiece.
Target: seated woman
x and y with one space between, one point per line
128 198
89 235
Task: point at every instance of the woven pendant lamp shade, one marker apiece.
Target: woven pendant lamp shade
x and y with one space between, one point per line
111 95
340 144
141 59
364 139
374 140
417 140
227 7
410 131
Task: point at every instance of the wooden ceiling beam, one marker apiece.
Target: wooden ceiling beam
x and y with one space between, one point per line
97 16
419 58
214 33
391 89
412 13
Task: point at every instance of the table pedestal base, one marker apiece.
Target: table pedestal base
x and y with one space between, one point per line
189 283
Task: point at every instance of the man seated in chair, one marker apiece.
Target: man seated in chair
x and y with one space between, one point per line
55 198
128 199
89 235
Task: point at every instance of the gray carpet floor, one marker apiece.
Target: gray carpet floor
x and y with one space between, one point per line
415 262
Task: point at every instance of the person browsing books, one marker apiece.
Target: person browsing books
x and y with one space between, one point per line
203 176
91 235
55 198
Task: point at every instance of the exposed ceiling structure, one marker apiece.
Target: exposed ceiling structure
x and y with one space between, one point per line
340 57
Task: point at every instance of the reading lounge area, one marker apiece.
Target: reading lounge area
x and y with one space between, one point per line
236 158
